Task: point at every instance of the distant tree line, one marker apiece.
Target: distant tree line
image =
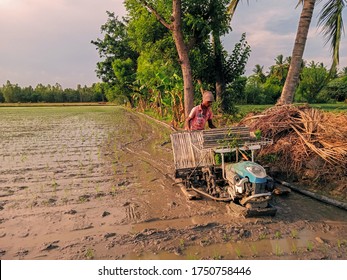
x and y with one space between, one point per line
13 93
259 88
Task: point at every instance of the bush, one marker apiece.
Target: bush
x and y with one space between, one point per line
335 90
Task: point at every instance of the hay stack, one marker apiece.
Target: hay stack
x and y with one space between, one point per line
304 138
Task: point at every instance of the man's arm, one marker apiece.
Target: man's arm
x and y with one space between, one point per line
188 120
187 123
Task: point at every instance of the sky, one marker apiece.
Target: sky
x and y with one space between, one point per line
48 42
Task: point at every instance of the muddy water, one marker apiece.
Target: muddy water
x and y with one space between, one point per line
96 183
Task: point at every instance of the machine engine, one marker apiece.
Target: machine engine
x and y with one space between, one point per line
249 184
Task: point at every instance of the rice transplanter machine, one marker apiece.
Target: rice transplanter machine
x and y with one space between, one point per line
244 183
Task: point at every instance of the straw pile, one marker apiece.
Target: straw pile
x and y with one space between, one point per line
304 139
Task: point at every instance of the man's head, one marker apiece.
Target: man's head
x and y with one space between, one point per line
207 98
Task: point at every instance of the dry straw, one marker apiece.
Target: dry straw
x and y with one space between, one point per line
302 135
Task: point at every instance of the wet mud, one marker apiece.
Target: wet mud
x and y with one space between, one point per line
97 183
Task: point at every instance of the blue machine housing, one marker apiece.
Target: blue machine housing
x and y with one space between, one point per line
255 172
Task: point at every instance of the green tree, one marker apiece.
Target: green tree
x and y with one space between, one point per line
174 24
234 68
99 92
312 79
11 92
114 45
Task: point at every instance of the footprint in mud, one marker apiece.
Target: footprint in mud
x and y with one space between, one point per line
131 212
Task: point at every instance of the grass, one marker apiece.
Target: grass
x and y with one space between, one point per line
336 107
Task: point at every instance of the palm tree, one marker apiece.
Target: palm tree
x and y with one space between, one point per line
292 79
259 73
330 18
280 69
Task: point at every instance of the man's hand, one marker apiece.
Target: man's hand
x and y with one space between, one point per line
210 124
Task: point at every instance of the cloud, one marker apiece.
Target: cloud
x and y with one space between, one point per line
49 41
46 41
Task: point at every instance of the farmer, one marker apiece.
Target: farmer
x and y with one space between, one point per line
201 113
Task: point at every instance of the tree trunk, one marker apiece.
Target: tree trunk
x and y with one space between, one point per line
292 79
182 51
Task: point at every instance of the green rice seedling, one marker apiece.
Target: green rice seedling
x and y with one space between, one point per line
225 237
341 243
294 234
113 190
97 188
262 236
41 188
54 185
309 246
65 200
83 198
238 253
89 254
217 256
254 250
182 244
278 250
294 249
192 257
278 235
91 168
23 158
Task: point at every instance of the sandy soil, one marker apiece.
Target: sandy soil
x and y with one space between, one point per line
98 184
